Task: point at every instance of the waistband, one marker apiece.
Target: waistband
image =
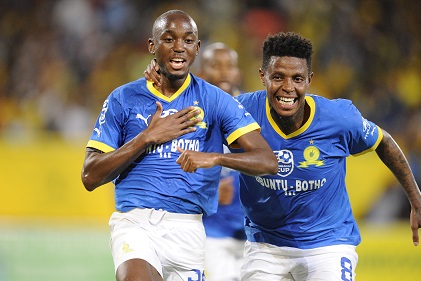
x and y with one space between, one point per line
156 216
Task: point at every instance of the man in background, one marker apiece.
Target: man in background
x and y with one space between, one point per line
225 234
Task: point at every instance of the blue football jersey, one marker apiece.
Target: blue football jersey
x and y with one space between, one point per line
228 221
306 205
155 180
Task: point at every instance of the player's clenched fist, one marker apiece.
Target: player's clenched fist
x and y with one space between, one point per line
191 160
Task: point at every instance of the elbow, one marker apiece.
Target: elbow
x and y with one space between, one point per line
88 183
273 165
268 167
274 171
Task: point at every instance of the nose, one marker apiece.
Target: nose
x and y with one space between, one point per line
224 71
178 46
287 86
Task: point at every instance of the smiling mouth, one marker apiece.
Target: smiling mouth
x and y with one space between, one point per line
286 101
177 63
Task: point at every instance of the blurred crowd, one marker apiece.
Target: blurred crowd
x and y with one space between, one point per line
60 59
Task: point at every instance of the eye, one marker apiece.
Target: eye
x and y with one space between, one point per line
298 79
168 40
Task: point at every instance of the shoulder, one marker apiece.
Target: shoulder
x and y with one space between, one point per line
203 86
333 107
209 91
337 113
132 86
128 90
198 85
252 98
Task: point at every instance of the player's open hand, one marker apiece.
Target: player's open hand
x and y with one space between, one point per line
163 129
190 160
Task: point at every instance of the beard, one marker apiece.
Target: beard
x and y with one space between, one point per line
175 77
170 76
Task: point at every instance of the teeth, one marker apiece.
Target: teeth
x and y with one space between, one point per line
286 101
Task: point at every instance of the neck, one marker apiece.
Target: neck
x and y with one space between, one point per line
290 124
170 84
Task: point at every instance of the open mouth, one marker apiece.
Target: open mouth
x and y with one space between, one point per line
286 101
177 63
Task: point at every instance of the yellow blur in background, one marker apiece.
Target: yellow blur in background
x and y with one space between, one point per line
46 214
42 179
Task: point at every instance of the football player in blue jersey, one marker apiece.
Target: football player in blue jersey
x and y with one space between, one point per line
225 234
162 147
299 223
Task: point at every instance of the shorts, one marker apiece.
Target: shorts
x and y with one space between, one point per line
268 262
224 258
174 244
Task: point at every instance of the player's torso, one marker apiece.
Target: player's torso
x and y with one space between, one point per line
309 188
143 106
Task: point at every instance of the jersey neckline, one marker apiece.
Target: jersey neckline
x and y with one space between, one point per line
158 94
311 104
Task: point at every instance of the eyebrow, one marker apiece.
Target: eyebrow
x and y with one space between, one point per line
172 32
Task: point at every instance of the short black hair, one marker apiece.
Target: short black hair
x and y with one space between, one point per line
287 44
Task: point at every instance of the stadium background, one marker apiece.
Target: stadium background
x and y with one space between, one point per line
60 59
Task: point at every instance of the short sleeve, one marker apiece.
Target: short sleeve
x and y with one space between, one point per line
107 133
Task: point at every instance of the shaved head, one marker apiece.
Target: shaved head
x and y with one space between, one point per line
209 51
161 22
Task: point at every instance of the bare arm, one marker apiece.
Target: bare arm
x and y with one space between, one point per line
393 157
100 168
257 159
226 191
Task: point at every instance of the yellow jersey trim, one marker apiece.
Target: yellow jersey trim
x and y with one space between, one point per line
241 131
155 92
311 104
379 139
100 146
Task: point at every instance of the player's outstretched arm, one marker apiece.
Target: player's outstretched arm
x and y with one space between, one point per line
257 159
100 168
393 157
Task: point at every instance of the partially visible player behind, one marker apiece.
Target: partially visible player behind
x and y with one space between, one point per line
225 234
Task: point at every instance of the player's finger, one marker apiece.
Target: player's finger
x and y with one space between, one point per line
152 73
190 111
189 116
180 158
155 65
159 108
415 237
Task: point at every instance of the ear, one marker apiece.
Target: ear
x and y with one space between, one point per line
310 77
151 46
262 76
197 47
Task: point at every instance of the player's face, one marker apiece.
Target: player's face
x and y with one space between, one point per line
286 80
176 45
221 70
